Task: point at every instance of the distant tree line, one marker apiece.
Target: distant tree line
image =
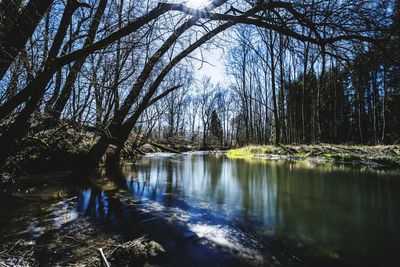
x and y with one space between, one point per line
296 92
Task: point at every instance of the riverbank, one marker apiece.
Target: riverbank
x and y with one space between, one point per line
65 145
372 156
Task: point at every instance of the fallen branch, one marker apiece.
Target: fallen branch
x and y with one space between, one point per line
139 151
103 258
163 147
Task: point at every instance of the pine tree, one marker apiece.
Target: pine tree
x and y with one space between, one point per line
216 127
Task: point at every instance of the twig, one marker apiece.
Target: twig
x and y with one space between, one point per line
103 258
9 250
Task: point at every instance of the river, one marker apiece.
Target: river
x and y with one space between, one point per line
208 210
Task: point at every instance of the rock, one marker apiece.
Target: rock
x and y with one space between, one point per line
155 249
137 252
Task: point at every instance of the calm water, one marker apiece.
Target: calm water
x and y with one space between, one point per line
245 212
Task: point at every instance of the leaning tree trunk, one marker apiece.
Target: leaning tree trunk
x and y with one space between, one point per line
15 40
21 124
131 27
73 74
23 96
9 139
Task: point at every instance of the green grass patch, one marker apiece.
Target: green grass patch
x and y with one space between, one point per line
254 151
239 153
302 155
366 155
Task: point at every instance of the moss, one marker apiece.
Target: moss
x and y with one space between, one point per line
366 155
249 151
239 153
301 155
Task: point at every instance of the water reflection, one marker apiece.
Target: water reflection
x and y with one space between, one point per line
334 215
340 213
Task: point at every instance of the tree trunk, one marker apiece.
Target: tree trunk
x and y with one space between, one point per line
21 124
273 86
20 32
30 90
73 74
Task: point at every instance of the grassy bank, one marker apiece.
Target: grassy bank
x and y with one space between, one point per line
374 156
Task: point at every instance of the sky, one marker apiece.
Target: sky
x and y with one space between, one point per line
215 57
216 67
